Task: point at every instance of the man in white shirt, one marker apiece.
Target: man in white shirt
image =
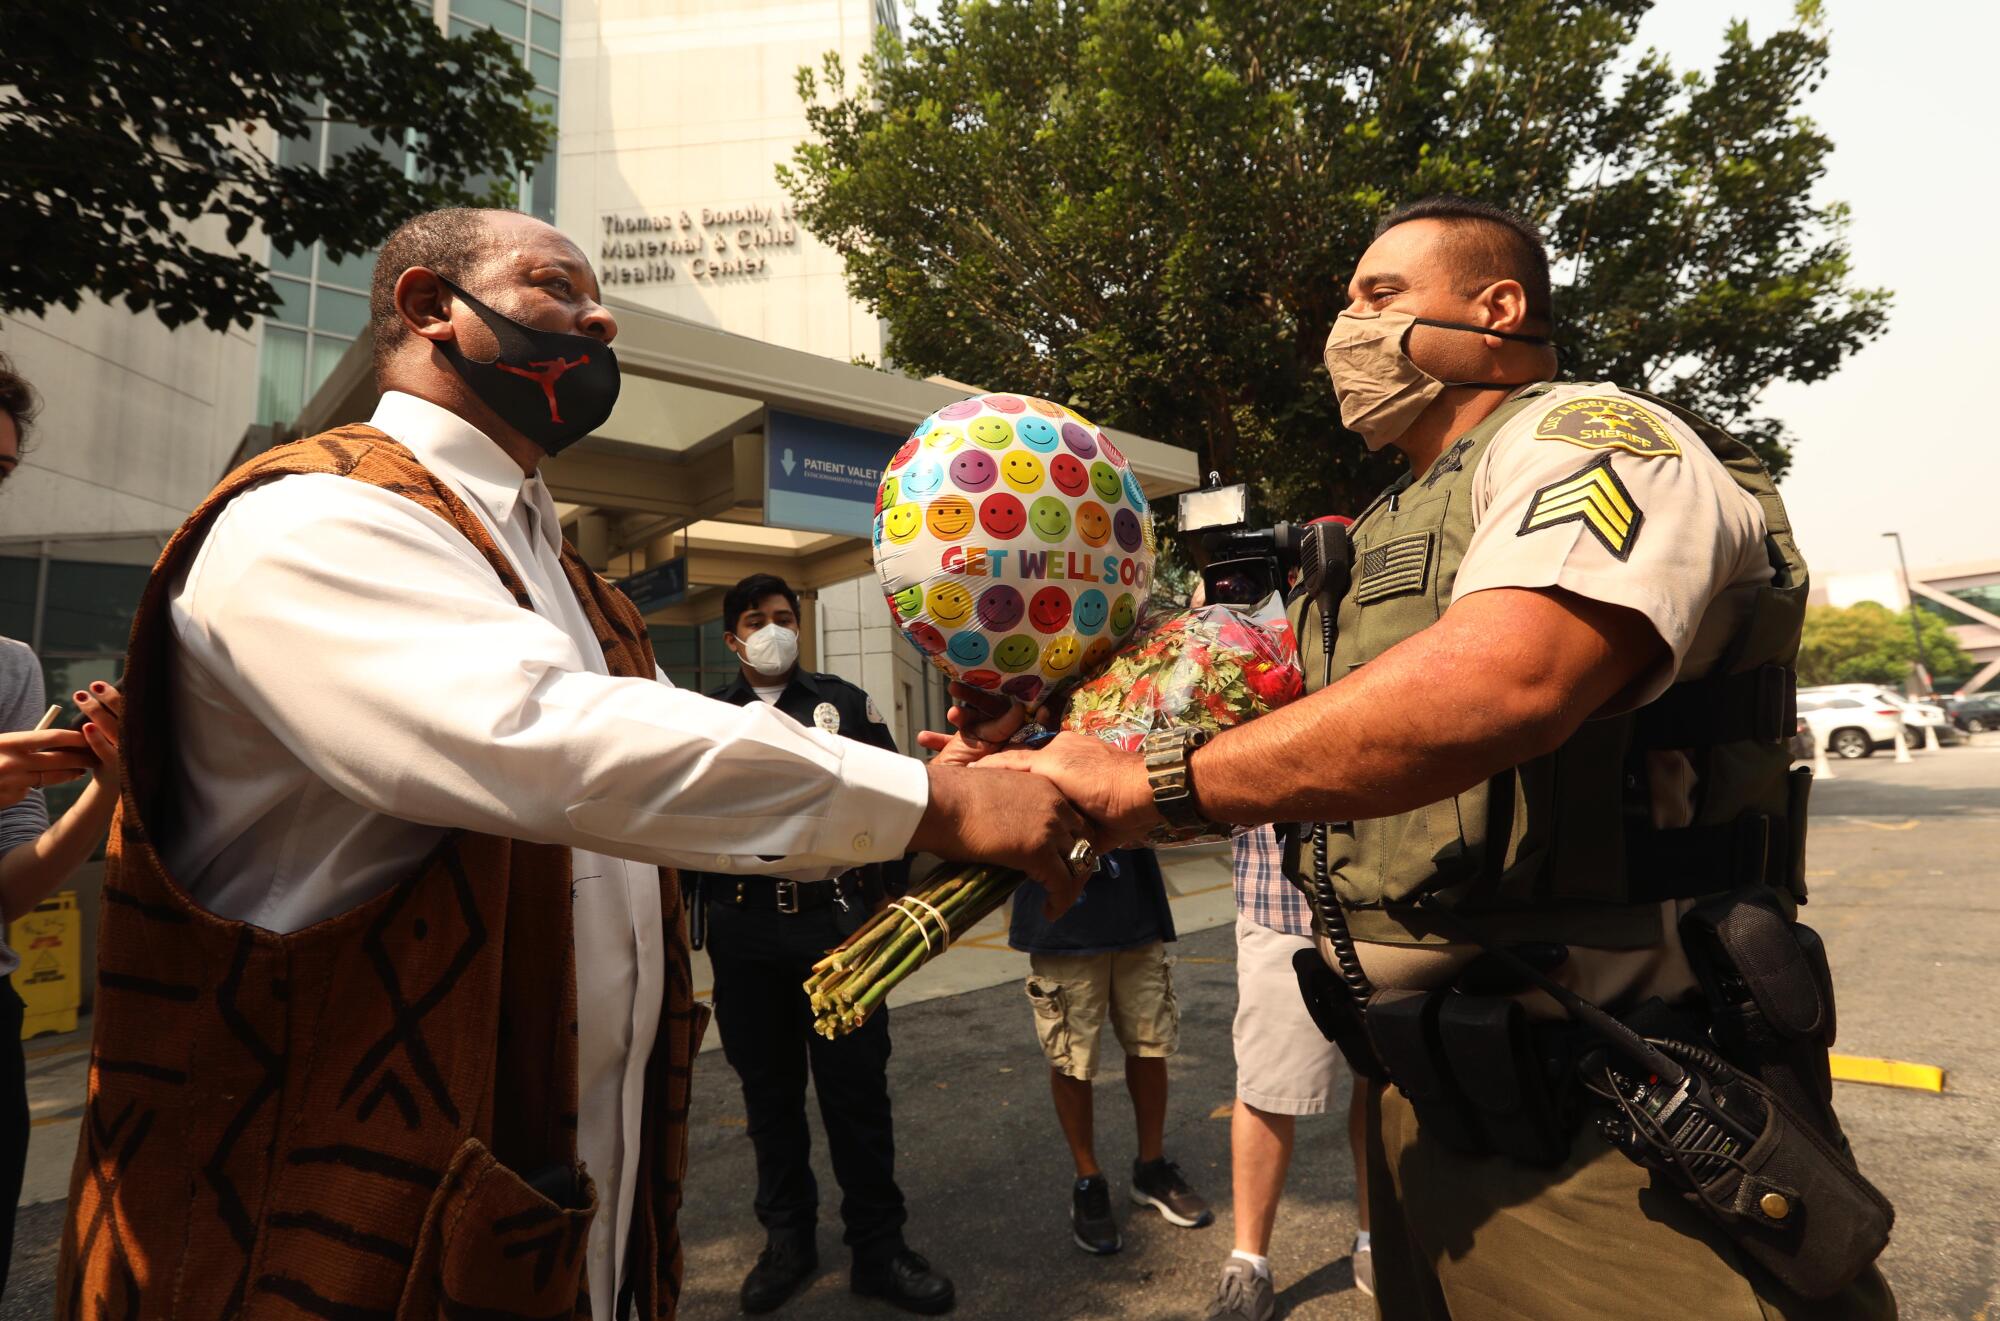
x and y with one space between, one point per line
361 673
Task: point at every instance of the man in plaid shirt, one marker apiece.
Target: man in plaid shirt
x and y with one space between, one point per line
1284 1069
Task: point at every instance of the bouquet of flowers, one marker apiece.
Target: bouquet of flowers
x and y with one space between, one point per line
1213 667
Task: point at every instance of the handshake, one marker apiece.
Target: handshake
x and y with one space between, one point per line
1072 791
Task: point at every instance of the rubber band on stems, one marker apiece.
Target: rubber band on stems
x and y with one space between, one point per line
916 921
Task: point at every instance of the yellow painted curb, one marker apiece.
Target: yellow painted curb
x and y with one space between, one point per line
1887 1073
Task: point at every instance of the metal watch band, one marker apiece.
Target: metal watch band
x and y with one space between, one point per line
1166 752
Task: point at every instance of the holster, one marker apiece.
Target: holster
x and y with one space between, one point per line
1335 1013
1482 1078
1792 1202
1770 998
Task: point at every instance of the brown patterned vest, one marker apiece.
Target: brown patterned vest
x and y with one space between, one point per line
360 1119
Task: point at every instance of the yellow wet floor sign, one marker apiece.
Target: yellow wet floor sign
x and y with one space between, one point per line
49 940
1887 1073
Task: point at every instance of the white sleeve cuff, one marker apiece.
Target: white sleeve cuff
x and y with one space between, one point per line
881 798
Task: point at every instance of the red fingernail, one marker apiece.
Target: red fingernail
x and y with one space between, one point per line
97 688
79 696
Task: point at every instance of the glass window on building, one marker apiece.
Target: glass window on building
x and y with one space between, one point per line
507 17
281 374
1985 596
694 658
1942 611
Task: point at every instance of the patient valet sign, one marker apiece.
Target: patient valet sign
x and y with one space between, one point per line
821 476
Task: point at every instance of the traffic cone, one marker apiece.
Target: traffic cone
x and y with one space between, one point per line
1931 743
1821 770
1902 747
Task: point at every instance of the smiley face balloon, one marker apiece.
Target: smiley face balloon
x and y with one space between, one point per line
1014 543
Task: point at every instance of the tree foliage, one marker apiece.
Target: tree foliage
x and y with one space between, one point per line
1870 643
1150 208
127 122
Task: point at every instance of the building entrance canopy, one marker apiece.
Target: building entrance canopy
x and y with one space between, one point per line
710 427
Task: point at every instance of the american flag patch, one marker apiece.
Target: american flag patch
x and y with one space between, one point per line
1398 567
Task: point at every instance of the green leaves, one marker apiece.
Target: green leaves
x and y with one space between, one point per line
138 132
1149 208
1869 643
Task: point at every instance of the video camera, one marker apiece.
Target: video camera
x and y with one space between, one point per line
1245 564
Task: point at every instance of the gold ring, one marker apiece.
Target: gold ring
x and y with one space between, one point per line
1082 858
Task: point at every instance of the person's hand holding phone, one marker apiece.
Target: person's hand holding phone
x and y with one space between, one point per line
41 758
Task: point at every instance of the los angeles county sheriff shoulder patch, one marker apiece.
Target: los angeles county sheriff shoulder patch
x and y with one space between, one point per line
1605 422
1593 496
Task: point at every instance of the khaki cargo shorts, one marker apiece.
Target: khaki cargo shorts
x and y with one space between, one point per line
1073 993
1283 1065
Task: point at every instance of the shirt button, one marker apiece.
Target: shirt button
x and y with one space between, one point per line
862 841
722 860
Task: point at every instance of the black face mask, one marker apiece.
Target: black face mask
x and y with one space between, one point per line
554 388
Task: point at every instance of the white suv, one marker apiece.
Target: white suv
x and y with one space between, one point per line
1917 716
1846 723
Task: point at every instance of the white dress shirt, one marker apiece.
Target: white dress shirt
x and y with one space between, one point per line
353 681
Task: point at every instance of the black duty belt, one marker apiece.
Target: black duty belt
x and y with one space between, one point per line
785 896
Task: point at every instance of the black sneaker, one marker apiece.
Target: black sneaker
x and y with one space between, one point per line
1090 1219
1159 1184
785 1263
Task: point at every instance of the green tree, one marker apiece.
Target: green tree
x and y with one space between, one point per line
1870 643
1150 208
129 122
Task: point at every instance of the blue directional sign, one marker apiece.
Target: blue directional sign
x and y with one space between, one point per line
821 476
662 585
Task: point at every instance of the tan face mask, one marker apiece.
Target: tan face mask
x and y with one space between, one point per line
1380 390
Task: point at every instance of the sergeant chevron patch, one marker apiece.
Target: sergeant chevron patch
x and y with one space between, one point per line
1593 496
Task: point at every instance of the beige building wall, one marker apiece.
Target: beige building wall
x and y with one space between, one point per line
674 117
137 420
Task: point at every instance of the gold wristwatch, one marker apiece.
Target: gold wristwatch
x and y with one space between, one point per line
1167 752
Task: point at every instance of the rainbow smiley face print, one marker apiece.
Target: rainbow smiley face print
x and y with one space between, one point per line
1013 544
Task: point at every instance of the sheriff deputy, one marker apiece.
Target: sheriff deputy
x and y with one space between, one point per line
1551 717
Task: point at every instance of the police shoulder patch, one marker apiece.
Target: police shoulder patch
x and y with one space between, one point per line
1606 422
1593 496
875 713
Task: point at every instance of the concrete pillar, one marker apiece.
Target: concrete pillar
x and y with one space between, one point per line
593 540
809 630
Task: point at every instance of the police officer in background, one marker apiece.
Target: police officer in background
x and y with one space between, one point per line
763 936
1550 720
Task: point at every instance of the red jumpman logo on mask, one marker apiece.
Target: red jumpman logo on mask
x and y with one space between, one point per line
545 374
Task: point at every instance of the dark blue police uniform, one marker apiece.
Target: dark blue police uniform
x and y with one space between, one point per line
764 934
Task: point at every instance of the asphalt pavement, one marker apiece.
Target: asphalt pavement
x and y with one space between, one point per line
1904 862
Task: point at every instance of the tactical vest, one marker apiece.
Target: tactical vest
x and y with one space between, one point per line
375 1116
1563 847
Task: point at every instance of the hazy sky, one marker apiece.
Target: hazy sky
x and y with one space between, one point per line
1905 105
1880 445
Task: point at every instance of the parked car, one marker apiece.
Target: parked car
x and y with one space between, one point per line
1917 716
1976 713
1845 725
